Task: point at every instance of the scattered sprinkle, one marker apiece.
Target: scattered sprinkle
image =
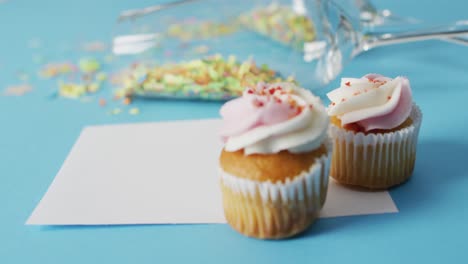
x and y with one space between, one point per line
202 49
116 111
17 90
55 69
280 23
102 102
89 65
348 83
109 58
101 76
127 101
71 90
77 90
94 46
134 111
191 29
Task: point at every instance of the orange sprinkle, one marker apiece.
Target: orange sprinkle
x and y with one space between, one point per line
348 83
332 103
127 101
389 97
102 102
299 110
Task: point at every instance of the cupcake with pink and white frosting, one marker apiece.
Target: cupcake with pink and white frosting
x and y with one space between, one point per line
274 166
375 126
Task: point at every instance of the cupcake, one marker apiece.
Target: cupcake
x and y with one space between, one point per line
275 161
375 127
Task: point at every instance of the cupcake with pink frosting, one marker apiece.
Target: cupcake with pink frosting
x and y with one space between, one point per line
275 161
375 127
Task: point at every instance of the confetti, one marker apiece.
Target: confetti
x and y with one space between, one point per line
202 49
52 70
94 46
116 111
190 29
127 101
211 78
102 102
89 65
77 90
281 24
109 58
17 90
134 111
101 76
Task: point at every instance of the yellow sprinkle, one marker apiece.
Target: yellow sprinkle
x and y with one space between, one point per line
101 76
116 111
134 111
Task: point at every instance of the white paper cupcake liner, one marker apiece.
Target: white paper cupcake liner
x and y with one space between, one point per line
304 186
375 160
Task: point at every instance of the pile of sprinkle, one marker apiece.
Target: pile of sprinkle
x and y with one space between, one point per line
211 78
281 24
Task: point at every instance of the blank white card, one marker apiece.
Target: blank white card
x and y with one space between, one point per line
158 173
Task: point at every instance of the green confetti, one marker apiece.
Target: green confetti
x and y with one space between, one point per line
89 65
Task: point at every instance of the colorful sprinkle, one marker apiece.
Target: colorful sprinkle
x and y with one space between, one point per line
116 111
55 69
210 78
280 23
191 29
134 111
102 102
101 76
89 65
94 46
127 101
17 90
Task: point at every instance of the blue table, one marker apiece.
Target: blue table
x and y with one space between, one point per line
36 133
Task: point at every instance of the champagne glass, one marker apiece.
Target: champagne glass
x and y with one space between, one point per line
169 33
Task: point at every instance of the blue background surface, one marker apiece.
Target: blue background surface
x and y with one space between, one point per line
36 133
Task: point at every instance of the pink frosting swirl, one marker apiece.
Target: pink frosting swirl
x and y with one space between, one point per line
257 107
373 101
273 117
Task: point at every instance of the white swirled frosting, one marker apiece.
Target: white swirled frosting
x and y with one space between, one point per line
373 101
274 117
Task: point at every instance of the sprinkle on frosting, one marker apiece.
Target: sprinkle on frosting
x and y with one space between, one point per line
269 118
372 102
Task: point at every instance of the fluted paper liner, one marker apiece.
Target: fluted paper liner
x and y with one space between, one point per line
275 210
375 161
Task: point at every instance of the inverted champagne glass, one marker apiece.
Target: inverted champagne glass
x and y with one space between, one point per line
311 40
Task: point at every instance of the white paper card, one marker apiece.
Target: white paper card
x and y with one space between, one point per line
158 173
